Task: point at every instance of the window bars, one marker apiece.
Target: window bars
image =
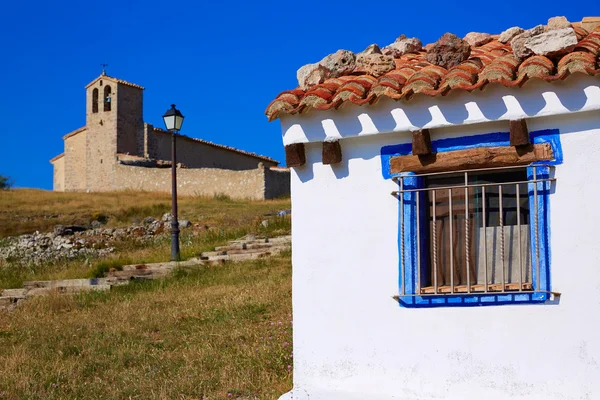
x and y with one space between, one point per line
475 231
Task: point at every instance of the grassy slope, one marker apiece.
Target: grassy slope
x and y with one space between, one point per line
28 210
201 334
25 210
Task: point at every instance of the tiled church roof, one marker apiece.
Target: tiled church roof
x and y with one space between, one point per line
492 62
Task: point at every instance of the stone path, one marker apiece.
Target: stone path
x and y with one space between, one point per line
246 248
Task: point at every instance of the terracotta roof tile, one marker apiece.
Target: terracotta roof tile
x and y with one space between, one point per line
493 62
220 146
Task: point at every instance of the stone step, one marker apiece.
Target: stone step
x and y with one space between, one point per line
165 265
280 239
224 257
131 273
272 249
7 301
16 293
79 289
65 283
234 251
242 254
258 242
40 291
243 246
204 255
237 250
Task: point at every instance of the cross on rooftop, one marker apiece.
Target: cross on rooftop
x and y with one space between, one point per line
104 68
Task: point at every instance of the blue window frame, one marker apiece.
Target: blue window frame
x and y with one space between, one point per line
413 223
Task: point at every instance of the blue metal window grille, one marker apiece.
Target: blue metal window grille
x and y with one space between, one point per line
475 237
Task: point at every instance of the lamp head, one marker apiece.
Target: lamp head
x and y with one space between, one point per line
173 119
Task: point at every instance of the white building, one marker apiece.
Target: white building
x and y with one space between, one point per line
398 293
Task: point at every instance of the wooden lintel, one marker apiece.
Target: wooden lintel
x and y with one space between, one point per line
332 152
519 134
480 157
421 143
295 156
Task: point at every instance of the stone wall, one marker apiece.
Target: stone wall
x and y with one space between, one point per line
277 183
195 154
75 162
59 174
247 184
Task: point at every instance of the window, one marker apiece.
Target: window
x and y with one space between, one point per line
474 237
95 100
107 99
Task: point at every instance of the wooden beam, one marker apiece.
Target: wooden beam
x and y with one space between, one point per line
295 156
332 152
421 143
519 134
480 157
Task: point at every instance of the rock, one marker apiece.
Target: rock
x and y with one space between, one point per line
448 51
96 224
403 45
371 49
167 217
157 227
374 64
265 223
184 223
150 220
509 34
312 74
558 23
518 42
67 230
340 63
476 39
554 43
119 232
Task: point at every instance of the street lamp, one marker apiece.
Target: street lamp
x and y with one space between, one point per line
173 121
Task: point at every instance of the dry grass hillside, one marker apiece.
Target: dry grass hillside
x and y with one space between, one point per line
28 210
213 332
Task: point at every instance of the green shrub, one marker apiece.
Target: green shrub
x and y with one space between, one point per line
100 217
222 197
5 182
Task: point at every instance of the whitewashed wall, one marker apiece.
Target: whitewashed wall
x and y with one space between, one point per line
353 341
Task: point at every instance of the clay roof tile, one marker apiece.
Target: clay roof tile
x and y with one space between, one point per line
493 62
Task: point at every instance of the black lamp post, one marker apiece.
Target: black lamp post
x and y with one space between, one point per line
173 121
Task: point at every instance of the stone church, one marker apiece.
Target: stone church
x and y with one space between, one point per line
117 150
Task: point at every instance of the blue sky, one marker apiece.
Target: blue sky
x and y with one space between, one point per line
221 62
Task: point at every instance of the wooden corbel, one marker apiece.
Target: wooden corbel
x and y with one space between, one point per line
421 143
295 156
332 152
519 134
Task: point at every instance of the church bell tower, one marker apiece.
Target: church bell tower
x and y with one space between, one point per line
114 124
